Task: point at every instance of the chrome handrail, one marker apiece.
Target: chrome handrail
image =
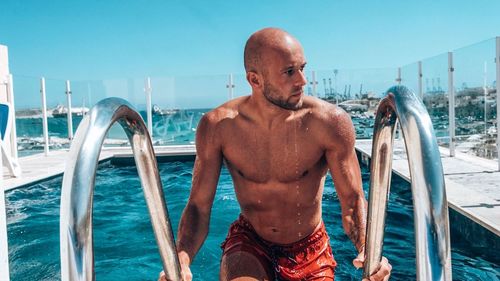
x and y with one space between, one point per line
430 207
76 239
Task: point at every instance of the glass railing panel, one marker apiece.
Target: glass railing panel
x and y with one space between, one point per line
180 102
435 91
241 86
358 91
85 94
28 114
133 91
327 85
57 121
475 99
409 76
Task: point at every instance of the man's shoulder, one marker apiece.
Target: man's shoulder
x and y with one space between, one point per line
325 111
209 130
332 124
225 111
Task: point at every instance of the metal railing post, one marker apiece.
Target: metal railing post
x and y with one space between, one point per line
314 83
420 75
149 112
70 115
398 127
44 117
451 104
485 93
497 83
230 85
430 206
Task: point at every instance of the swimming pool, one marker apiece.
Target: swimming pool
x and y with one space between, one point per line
124 241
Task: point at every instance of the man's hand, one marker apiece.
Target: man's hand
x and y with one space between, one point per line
185 270
185 274
381 274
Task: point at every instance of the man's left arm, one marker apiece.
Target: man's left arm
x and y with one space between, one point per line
346 174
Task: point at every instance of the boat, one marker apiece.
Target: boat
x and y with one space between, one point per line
61 111
354 105
162 112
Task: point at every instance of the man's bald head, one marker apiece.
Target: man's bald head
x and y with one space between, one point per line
261 41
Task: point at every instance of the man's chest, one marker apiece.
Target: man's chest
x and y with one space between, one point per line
284 155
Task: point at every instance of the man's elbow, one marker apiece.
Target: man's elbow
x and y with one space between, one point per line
197 209
354 200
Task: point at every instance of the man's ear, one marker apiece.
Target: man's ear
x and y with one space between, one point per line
254 79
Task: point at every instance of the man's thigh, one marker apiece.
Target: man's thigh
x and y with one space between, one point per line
242 266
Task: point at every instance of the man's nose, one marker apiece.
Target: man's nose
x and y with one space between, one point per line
302 79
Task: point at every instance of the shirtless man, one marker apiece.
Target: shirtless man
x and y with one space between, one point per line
278 145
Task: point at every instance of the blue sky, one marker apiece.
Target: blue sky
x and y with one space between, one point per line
102 40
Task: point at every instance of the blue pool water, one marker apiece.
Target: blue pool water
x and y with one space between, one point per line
125 248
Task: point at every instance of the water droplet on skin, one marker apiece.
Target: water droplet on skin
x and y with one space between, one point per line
298 214
298 221
259 201
298 204
300 234
296 148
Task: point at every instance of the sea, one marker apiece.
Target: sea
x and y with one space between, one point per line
173 128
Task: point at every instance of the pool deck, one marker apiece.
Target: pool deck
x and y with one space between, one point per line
38 167
472 183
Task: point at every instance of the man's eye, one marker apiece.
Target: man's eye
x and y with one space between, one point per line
289 72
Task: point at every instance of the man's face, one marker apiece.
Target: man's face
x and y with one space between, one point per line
284 78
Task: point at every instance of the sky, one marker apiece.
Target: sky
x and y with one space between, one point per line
110 40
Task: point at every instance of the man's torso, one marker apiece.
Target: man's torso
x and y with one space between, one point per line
278 170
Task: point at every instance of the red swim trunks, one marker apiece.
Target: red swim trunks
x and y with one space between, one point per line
307 259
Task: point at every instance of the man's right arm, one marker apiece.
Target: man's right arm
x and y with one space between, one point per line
194 223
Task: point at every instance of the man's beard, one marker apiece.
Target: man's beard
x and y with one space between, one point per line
272 95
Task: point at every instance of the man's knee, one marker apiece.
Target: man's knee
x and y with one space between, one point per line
239 266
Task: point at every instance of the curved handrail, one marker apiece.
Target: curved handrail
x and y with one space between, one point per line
430 207
77 253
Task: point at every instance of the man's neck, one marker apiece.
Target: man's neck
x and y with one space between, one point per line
267 113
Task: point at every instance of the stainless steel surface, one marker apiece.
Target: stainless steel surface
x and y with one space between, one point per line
497 86
451 104
77 255
432 237
69 116
420 75
149 109
45 125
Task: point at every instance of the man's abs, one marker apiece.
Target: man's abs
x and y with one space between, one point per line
281 213
285 228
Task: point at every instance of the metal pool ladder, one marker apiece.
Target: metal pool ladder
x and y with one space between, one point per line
77 253
430 207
